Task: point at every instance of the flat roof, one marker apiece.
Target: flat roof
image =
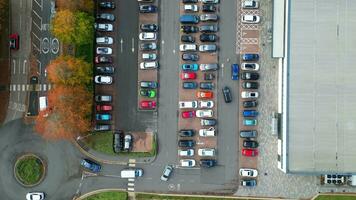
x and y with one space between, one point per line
322 86
278 28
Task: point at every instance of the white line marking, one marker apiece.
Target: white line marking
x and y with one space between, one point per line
18 87
14 87
40 66
39 39
27 87
38 49
38 16
33 22
131 184
133 45
131 189
121 42
24 67
10 88
18 96
23 87
49 86
44 87
14 65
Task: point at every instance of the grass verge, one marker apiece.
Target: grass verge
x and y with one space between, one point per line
108 196
140 196
335 197
29 170
85 51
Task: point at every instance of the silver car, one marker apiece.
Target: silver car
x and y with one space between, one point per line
106 16
208 48
209 17
209 67
166 173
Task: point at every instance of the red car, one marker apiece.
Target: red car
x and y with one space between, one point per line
103 107
103 59
249 152
188 114
148 105
188 75
14 41
204 94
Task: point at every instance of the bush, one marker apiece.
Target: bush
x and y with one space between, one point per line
29 170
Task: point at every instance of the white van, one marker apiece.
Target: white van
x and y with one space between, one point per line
131 173
43 104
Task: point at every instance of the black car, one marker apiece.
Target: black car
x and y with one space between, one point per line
105 70
189 85
209 76
187 38
206 85
207 163
147 8
208 37
249 183
227 94
148 46
208 8
107 4
250 76
249 104
250 85
189 29
186 143
186 133
250 144
190 1
190 57
149 27
118 141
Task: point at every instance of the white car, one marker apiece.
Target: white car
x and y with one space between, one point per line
187 163
35 196
250 19
204 113
206 104
103 79
166 173
104 40
250 4
187 47
191 8
104 27
149 56
206 152
103 50
188 104
186 152
147 36
250 66
248 172
149 65
210 132
248 94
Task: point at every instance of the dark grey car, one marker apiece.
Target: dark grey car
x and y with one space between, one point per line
208 28
248 134
206 85
208 122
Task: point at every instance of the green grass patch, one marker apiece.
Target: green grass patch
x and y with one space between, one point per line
108 196
29 170
140 196
85 51
335 197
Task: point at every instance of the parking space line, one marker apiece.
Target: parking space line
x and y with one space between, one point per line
121 43
14 65
133 45
162 43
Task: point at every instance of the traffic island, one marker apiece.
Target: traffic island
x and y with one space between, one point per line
29 170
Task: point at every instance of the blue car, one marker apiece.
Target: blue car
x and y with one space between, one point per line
190 85
250 113
235 72
90 165
103 117
250 57
190 67
250 122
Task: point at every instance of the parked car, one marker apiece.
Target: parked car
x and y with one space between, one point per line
208 8
186 143
204 113
208 37
190 85
105 16
250 113
103 50
250 66
148 93
249 104
250 85
188 114
186 133
107 4
250 19
227 94
249 95
204 94
145 1
167 171
149 27
149 56
207 163
250 144
248 134
208 48
35 196
250 76
250 122
206 85
187 104
206 104
191 8
249 182
144 36
187 38
149 65
208 122
186 152
188 75
103 98
128 142
235 72
103 79
187 163
210 1
105 70
190 57
148 9
209 76
149 84
247 172
250 4
250 57
103 59
209 67
14 41
190 67
187 47
104 40
190 1
103 27
148 46
189 29
103 107
102 127
208 28
249 152
209 132
147 105
103 117
206 152
118 141
209 17
90 165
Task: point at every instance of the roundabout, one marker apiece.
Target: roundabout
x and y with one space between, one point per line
29 170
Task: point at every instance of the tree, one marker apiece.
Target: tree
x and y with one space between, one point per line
63 26
84 27
74 5
67 115
70 71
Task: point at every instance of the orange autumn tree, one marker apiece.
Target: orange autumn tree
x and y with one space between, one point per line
75 5
68 114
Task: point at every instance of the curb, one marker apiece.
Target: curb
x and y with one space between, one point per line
43 167
97 192
334 194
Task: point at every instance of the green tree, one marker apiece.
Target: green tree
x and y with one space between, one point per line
63 26
84 27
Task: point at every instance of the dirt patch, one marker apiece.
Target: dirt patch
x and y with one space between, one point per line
142 142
